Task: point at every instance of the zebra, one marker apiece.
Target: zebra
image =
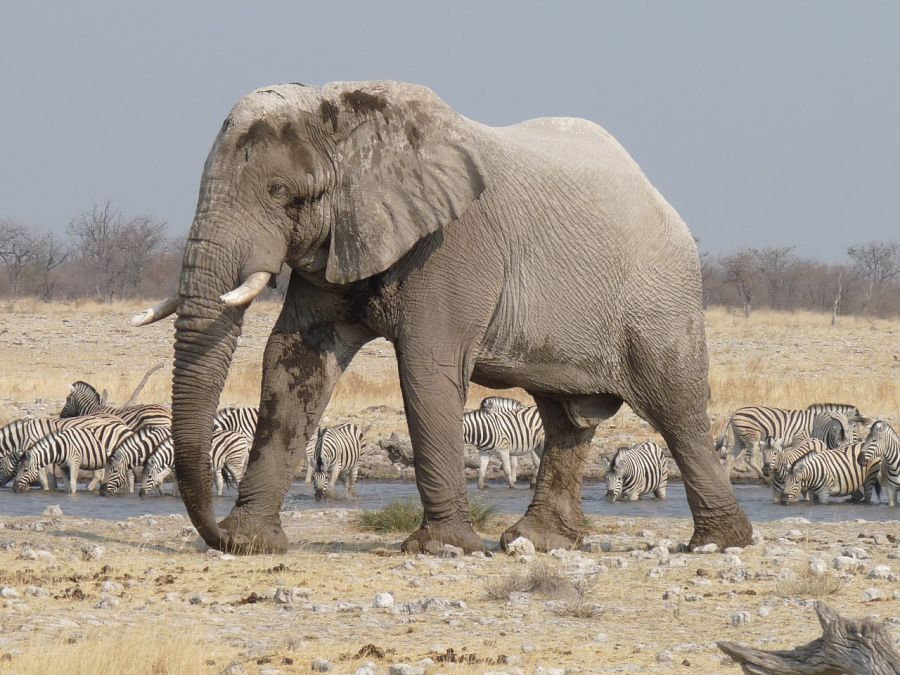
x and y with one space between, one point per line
19 435
883 443
83 399
500 404
778 462
637 470
229 452
851 412
510 434
242 420
751 425
336 454
75 448
834 473
129 457
310 457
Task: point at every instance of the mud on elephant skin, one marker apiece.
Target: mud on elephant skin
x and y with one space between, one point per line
536 255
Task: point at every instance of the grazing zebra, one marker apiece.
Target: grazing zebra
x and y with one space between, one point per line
835 473
129 457
242 420
637 470
510 434
83 399
834 428
229 452
74 448
19 435
778 462
310 457
884 444
500 404
336 454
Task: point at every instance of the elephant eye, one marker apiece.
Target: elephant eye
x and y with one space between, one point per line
277 189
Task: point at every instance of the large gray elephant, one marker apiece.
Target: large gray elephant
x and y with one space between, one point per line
536 255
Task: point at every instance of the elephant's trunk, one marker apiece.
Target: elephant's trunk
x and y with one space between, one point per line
206 334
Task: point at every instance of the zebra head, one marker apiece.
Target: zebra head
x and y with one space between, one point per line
26 474
874 445
154 474
8 465
793 483
771 454
114 476
615 475
82 399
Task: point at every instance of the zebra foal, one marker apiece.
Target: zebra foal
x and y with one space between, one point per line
637 470
508 433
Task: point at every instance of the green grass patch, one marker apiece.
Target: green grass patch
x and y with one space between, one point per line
405 515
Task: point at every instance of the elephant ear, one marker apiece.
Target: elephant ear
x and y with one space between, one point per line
407 168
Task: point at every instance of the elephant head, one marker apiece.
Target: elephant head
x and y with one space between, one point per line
339 183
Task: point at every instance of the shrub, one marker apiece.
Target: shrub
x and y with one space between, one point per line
405 515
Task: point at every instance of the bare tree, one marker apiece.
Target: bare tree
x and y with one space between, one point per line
49 253
741 270
772 263
16 251
877 262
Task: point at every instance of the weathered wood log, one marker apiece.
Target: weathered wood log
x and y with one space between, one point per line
137 391
399 451
846 646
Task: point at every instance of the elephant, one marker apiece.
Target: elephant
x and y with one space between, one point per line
536 255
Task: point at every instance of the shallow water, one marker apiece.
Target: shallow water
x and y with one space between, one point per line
755 499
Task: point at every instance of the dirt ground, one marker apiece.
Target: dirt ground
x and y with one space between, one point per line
627 602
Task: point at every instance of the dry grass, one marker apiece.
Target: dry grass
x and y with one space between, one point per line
810 585
405 515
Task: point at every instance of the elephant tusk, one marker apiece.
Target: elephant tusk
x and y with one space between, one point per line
155 313
247 291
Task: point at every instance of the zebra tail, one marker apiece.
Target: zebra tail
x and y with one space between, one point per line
726 432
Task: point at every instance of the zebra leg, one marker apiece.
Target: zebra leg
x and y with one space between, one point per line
507 468
537 467
219 483
74 465
554 518
351 480
483 461
660 492
96 479
513 470
891 490
42 477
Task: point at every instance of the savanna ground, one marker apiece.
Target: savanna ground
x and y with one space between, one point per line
85 595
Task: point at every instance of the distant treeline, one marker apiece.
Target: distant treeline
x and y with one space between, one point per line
108 256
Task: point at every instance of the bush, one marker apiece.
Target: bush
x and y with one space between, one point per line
405 515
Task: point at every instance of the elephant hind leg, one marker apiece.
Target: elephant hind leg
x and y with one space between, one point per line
554 518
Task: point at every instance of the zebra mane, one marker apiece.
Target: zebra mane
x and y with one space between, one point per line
81 385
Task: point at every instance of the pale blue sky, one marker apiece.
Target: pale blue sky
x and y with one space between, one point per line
763 123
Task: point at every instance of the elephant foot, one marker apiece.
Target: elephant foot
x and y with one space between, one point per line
432 536
243 535
724 529
545 533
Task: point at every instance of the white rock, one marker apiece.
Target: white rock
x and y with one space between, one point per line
93 552
765 610
672 593
450 551
383 601
405 669
7 592
856 552
520 546
113 587
365 670
601 638
787 574
706 548
322 666
425 663
796 520
740 618
732 560
844 563
734 550
53 510
872 594
880 572
818 565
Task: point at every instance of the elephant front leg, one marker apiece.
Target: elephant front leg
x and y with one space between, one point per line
433 395
554 518
300 371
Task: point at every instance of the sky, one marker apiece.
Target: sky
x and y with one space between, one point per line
763 123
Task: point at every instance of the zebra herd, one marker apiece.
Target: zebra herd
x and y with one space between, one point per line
823 451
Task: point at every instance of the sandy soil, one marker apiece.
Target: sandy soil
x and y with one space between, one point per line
627 602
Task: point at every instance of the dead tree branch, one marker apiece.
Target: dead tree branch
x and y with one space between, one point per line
137 391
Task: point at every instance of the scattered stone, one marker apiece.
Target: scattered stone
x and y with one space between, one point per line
322 666
880 572
365 670
818 565
92 552
289 596
425 663
520 546
37 592
107 601
706 548
787 575
873 594
450 551
53 510
856 552
664 656
405 669
844 563
234 668
796 520
672 593
734 550
601 638
200 599
740 618
172 597
732 560
383 601
528 647
764 611
7 592
113 587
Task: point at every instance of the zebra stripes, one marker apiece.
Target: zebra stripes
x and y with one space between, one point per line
74 448
851 412
241 420
510 434
229 452
337 452
777 463
500 404
637 470
834 473
83 399
883 444
129 456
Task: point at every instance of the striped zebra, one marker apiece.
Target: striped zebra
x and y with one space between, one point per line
832 473
336 454
883 443
777 462
83 399
510 434
242 420
311 457
500 404
128 458
75 448
229 452
19 435
637 470
851 412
